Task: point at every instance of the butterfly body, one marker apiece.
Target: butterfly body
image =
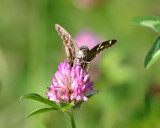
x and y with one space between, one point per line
81 56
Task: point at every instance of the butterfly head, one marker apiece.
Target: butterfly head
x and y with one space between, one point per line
84 49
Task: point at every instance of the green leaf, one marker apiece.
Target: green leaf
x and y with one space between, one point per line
63 104
157 26
67 106
42 110
37 97
148 21
153 54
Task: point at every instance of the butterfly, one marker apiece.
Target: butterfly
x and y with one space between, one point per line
80 55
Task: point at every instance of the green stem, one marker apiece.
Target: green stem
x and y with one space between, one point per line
72 122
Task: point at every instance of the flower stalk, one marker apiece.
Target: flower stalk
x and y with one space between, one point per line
73 122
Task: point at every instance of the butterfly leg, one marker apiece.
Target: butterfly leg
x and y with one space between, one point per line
87 64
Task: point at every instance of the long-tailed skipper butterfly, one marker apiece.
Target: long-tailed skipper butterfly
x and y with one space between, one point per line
81 56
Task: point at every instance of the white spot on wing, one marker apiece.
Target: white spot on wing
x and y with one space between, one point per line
101 47
110 42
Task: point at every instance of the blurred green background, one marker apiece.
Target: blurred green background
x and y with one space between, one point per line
30 51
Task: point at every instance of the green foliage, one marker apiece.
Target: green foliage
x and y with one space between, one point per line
153 54
154 23
37 97
62 106
66 106
41 110
148 21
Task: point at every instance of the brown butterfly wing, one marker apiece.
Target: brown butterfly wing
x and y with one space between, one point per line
69 43
98 48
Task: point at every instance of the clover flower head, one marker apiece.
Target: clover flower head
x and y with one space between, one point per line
70 84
